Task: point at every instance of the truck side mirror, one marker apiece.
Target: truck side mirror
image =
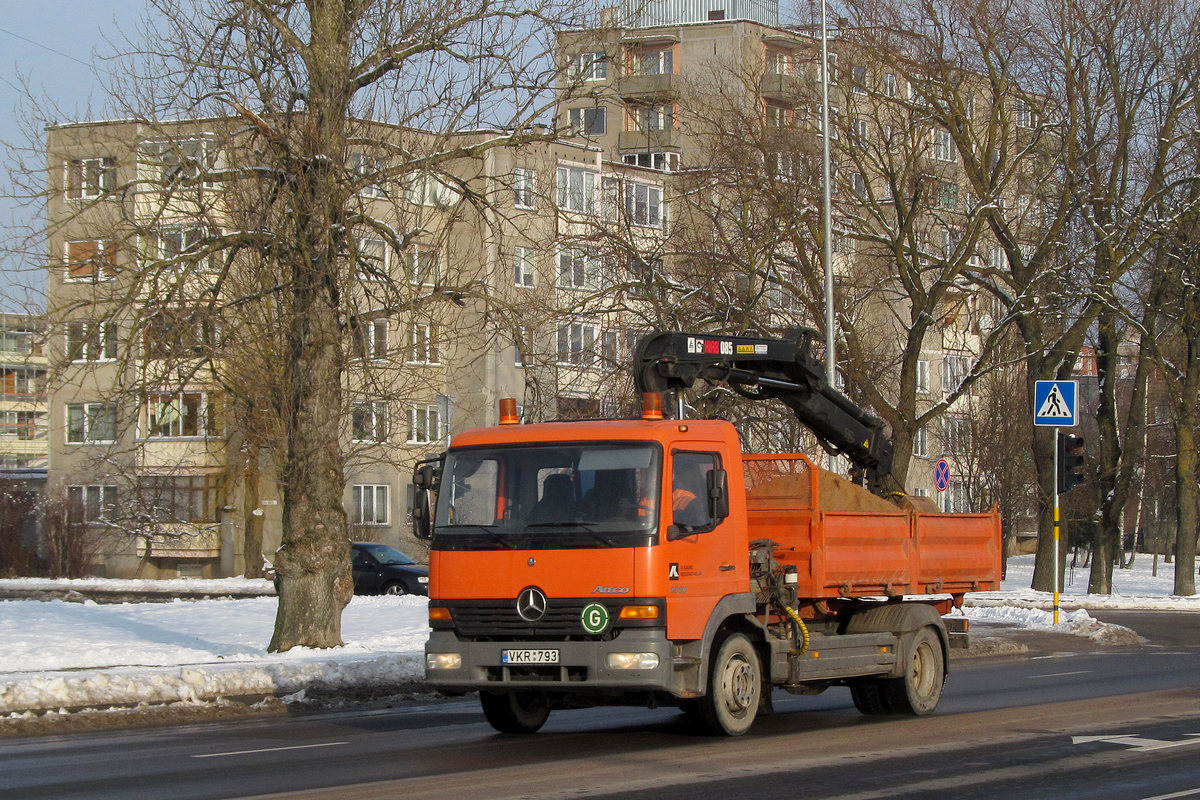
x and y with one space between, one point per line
718 494
427 475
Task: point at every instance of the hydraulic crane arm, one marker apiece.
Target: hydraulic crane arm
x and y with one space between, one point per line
783 369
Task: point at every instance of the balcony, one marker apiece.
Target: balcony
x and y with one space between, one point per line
648 140
646 85
781 87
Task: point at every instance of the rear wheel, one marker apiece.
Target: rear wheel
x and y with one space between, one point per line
869 696
734 688
918 691
515 712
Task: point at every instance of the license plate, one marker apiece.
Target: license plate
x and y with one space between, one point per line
529 656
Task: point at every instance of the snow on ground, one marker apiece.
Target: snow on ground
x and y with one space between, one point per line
70 655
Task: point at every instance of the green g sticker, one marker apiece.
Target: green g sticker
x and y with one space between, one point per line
594 618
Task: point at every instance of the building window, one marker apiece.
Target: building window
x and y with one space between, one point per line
588 66
858 76
522 358
367 173
91 503
578 268
920 443
424 424
26 426
643 273
91 341
179 247
429 190
91 260
423 343
523 187
833 70
184 161
923 376
91 423
523 266
371 259
643 205
577 344
891 86
943 146
177 415
89 178
177 333
653 61
368 421
588 121
370 504
656 117
179 498
577 190
779 61
956 434
667 162
369 338
422 266
1024 114
955 369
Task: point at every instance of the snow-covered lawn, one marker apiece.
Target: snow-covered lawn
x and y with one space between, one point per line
66 655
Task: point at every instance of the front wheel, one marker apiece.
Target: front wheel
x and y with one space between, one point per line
734 688
396 589
918 691
515 712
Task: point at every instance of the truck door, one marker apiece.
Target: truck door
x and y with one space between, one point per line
700 562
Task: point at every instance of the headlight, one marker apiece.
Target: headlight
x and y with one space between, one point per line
632 660
422 579
443 661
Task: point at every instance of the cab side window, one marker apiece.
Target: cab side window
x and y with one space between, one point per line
689 490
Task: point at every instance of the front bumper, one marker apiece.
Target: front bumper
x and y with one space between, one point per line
583 666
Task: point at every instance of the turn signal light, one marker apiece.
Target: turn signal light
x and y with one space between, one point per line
439 614
639 612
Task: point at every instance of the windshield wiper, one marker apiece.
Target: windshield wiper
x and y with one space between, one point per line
485 529
583 526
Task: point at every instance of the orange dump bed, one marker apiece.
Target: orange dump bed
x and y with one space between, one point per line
846 542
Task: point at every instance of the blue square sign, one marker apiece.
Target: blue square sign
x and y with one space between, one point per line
1055 403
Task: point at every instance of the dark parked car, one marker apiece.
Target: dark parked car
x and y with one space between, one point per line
379 569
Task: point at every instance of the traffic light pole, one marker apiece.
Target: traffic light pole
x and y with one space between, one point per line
1057 580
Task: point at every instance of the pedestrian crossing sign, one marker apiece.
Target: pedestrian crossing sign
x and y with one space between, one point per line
1054 403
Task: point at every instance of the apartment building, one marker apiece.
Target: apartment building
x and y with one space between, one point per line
155 354
24 446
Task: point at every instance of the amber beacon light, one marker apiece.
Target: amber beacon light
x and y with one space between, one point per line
652 405
508 411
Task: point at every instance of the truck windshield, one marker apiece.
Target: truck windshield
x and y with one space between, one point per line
548 496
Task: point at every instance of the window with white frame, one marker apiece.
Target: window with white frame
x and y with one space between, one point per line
91 503
423 343
370 504
577 189
778 61
588 66
91 260
643 204
180 247
577 344
422 265
184 161
89 340
923 375
779 116
833 69
578 268
371 259
521 355
177 415
891 86
944 148
947 195
667 162
588 121
523 187
179 498
858 76
425 189
91 423
1024 114
369 338
26 426
523 269
368 170
920 443
178 332
369 421
956 434
653 117
652 61
90 178
955 369
424 424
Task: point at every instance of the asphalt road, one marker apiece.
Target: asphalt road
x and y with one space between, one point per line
1073 721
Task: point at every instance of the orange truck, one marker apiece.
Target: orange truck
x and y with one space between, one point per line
650 562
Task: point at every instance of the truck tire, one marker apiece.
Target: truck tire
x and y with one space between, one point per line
734 688
870 696
515 712
919 689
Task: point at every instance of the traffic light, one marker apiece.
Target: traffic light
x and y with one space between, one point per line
1070 461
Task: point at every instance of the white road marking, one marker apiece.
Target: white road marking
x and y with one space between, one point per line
268 750
1060 674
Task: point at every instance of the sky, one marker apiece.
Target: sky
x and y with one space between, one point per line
47 46
64 655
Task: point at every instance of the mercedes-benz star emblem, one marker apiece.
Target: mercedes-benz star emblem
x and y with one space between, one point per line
531 604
